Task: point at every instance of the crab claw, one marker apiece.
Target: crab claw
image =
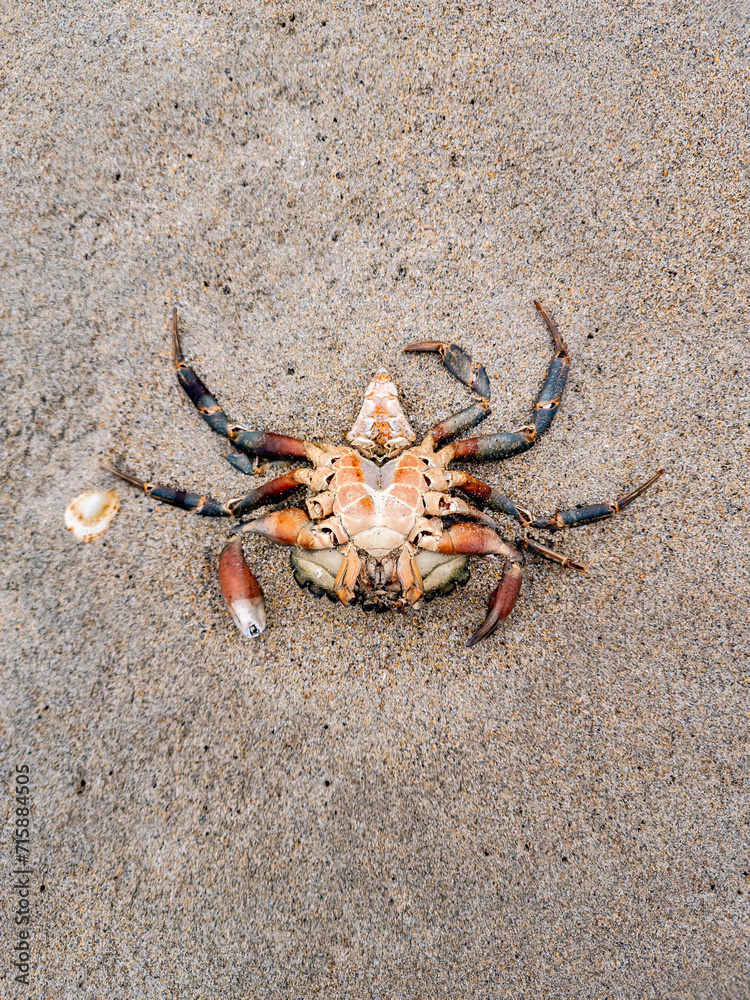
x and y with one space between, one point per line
241 590
501 604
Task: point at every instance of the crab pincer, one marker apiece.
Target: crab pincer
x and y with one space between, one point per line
501 603
241 590
477 539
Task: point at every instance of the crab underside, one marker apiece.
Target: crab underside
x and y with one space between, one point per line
382 525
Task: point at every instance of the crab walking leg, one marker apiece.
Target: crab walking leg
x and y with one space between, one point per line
294 526
281 527
488 496
241 591
204 505
466 538
460 365
509 443
268 492
207 506
577 516
250 442
458 423
557 557
440 505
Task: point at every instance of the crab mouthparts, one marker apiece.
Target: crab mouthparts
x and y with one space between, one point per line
381 430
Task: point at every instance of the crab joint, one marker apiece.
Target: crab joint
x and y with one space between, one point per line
241 590
347 575
409 575
501 603
475 540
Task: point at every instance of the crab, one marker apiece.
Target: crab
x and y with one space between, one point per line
382 525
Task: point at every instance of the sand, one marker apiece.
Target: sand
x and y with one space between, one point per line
359 806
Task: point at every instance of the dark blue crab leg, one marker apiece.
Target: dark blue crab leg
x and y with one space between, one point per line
462 367
458 363
487 496
509 443
268 492
250 442
207 506
204 505
578 516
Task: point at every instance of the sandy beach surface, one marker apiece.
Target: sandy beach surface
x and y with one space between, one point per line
358 806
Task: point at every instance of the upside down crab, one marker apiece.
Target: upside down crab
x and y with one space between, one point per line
374 528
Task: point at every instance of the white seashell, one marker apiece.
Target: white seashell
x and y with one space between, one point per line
90 514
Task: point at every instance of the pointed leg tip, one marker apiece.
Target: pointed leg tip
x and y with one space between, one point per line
423 347
241 462
652 479
486 629
176 346
121 474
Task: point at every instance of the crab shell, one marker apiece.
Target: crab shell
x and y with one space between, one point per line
90 514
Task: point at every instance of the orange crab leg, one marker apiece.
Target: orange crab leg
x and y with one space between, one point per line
282 527
474 540
294 527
